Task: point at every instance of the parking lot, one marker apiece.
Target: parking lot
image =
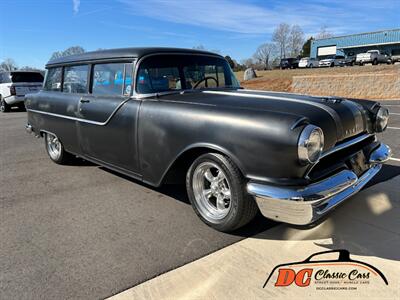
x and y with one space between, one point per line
82 231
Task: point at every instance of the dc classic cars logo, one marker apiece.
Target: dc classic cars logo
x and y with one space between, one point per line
342 273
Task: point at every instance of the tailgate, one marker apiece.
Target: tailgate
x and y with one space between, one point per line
21 89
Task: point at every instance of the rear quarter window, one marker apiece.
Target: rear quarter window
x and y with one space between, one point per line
112 79
53 80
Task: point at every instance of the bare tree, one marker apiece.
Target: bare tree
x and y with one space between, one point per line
296 40
324 33
67 52
281 38
8 65
248 62
264 54
199 47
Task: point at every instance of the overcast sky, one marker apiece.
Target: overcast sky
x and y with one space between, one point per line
31 30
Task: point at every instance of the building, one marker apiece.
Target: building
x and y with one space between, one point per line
386 41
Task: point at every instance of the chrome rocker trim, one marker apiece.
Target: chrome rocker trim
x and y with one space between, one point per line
305 205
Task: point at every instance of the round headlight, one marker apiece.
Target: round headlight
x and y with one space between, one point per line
382 118
311 143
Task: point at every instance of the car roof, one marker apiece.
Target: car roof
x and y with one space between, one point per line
20 71
123 53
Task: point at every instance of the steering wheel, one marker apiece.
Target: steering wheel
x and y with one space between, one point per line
204 79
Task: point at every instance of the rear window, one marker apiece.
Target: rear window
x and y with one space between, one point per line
53 80
26 77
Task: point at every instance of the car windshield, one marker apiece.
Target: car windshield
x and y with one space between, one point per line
26 77
163 73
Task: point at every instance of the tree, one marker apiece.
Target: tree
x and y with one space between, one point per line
230 62
264 53
248 62
324 33
281 38
306 49
67 52
8 65
296 40
199 47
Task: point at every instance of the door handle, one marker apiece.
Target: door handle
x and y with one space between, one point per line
84 101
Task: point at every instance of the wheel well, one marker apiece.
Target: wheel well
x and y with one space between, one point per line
177 171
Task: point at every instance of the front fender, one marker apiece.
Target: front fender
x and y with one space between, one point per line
263 144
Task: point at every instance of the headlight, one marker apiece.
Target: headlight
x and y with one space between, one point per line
382 118
311 143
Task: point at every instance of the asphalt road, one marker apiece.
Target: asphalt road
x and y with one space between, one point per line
84 232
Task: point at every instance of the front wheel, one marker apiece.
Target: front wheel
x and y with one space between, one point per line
55 149
217 192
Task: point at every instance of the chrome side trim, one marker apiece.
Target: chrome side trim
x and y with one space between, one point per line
306 204
80 119
346 144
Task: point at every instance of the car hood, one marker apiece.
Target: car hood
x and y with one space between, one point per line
338 118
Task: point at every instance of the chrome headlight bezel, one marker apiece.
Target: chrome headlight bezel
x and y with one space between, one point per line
381 119
303 148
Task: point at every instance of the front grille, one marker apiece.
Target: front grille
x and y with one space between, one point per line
340 159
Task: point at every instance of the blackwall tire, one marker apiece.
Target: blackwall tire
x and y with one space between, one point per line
4 107
217 191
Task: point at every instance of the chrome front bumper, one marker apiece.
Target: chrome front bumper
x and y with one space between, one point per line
305 205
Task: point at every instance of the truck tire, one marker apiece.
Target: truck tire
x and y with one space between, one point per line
375 62
217 192
4 107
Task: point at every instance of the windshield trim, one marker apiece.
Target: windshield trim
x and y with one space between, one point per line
139 62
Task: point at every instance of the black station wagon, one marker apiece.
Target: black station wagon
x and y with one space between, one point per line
165 115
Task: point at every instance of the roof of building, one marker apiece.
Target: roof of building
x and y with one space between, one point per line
121 53
356 34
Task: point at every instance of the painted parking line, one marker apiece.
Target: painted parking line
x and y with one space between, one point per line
393 127
395 159
397 114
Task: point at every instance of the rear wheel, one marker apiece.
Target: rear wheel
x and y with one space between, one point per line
55 150
4 107
217 192
375 62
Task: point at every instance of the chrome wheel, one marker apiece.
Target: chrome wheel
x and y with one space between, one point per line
54 147
211 191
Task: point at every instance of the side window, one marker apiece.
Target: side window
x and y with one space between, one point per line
112 79
53 80
75 79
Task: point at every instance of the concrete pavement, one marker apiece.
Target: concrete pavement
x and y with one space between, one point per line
368 226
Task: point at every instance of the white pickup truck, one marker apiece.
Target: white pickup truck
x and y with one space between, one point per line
15 85
372 56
